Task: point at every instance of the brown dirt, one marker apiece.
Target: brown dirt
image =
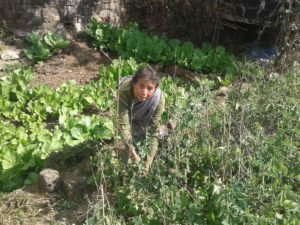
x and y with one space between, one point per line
79 62
29 207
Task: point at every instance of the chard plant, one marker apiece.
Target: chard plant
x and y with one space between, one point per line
130 42
44 46
38 121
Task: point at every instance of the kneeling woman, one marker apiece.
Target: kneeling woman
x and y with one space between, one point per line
141 103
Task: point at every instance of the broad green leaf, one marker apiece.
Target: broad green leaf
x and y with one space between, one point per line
9 160
77 133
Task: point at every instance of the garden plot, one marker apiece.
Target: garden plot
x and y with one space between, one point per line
233 160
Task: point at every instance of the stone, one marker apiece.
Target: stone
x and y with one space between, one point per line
11 54
223 91
221 100
172 124
74 185
221 95
163 131
49 180
19 33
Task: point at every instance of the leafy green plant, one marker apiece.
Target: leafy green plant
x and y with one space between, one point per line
42 47
37 121
55 42
39 51
130 42
26 115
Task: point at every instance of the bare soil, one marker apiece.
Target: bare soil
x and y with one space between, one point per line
78 62
28 206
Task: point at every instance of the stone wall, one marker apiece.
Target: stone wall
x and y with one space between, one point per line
177 18
195 20
30 15
259 12
186 19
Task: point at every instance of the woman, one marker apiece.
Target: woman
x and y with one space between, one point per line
141 103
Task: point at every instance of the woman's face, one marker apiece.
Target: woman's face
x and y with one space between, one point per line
144 89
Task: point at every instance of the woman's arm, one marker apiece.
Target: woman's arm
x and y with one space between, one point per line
123 118
154 132
124 102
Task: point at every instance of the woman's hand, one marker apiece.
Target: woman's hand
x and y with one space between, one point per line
147 167
134 156
146 170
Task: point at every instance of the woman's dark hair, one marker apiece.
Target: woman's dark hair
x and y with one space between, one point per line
146 73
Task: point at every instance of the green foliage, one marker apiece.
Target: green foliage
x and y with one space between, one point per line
42 47
130 42
38 121
233 164
55 42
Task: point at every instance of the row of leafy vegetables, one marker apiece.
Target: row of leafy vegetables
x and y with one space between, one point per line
130 42
37 121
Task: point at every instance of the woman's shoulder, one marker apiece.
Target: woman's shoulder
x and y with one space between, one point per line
125 90
162 95
125 84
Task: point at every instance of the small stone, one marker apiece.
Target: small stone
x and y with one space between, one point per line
11 54
221 95
172 124
19 33
163 131
49 180
221 100
223 91
78 27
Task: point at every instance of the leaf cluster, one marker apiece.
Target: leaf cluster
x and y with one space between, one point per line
44 46
36 121
130 42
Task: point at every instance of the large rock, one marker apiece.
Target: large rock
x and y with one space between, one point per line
49 180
